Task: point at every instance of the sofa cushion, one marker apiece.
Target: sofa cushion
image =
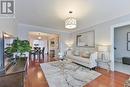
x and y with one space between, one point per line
78 58
85 54
88 62
76 53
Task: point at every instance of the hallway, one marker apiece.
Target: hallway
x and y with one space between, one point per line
122 68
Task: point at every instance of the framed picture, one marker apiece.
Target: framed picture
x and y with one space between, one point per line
128 41
86 39
128 36
128 46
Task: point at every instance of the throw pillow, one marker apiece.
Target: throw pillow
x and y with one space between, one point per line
76 53
85 55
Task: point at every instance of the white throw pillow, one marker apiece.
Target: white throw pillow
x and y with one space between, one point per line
85 54
76 53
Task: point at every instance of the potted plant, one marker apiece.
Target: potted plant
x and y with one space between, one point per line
18 47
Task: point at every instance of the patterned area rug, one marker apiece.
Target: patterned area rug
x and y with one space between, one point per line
67 74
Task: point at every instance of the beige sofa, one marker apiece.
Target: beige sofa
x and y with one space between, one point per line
88 59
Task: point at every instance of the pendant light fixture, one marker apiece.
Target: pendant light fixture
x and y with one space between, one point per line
70 22
39 37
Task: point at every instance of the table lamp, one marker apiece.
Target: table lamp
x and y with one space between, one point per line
69 44
102 49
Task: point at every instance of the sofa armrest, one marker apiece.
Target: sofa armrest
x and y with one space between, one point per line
93 56
92 60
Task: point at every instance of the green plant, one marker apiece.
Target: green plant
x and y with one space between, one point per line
19 46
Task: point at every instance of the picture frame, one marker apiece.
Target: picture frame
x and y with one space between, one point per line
128 41
128 36
86 39
128 46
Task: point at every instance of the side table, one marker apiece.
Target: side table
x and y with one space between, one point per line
106 61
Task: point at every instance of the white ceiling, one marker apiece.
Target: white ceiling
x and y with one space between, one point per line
52 13
43 35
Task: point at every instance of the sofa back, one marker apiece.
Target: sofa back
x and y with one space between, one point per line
90 50
81 49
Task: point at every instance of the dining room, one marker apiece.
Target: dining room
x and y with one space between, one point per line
43 44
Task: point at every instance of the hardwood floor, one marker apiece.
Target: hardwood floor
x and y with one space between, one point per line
35 77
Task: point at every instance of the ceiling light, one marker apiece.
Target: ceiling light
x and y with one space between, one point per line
39 37
70 22
6 35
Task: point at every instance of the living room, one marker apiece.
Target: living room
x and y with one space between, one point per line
86 41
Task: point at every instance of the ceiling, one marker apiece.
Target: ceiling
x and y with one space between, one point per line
52 13
35 35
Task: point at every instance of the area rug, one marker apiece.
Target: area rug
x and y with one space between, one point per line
67 74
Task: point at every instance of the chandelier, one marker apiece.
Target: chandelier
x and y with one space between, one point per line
70 22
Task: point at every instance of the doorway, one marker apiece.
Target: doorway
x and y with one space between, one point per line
121 52
50 42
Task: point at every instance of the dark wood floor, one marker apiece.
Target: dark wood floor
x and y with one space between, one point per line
35 77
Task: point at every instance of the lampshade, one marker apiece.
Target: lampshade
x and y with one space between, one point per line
70 23
102 48
69 43
60 54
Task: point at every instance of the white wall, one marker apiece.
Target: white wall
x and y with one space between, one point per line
103 32
8 25
24 29
120 37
